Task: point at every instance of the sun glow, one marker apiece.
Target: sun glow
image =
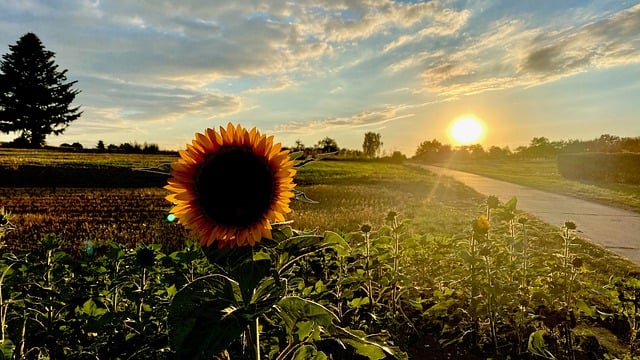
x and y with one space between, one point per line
466 130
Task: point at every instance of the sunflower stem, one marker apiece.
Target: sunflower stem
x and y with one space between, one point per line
257 325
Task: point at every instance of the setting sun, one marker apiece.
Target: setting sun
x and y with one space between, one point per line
466 130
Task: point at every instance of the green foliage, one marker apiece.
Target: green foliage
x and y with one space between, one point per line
516 290
35 96
601 167
302 295
327 145
371 145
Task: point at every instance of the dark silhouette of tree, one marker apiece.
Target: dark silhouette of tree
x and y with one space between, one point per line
497 152
299 146
327 145
371 145
540 147
100 145
431 151
35 97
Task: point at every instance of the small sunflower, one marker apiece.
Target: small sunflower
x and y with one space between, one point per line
228 186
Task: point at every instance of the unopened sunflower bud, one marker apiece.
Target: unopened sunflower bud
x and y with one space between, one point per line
577 262
146 257
570 225
493 202
391 215
365 228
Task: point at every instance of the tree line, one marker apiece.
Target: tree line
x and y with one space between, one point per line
538 148
371 149
128 148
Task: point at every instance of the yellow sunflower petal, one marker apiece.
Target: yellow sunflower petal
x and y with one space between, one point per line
186 173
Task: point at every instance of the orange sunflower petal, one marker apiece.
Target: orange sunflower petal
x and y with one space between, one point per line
183 185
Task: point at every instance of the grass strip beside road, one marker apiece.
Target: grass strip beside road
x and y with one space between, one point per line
544 175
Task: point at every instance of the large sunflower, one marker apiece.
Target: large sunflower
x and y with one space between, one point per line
229 186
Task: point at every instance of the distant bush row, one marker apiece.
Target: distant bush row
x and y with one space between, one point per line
604 167
128 148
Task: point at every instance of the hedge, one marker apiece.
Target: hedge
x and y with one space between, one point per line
601 167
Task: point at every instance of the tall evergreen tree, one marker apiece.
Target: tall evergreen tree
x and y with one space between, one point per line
35 98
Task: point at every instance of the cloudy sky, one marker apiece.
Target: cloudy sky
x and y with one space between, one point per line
158 71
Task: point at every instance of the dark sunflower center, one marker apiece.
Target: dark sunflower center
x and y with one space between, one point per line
235 187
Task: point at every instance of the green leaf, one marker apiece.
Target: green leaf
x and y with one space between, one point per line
90 308
511 204
250 274
365 346
585 308
441 308
337 242
308 352
171 290
372 352
305 328
6 349
293 248
203 317
360 301
268 292
293 309
538 346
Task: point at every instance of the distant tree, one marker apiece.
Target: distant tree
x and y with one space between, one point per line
372 144
397 157
35 97
540 147
496 152
574 146
131 148
630 144
607 143
327 145
299 146
150 148
476 151
429 150
100 145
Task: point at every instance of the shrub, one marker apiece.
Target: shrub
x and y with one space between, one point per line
601 167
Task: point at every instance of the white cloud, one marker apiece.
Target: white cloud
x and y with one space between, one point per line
444 23
509 54
366 118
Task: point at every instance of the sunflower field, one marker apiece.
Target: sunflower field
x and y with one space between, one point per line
374 261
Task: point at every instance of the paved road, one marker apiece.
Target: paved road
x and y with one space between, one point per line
615 229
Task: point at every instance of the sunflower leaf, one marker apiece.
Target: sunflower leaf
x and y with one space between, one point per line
295 247
293 309
203 317
365 345
308 352
249 275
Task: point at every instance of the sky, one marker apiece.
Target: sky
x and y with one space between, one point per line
158 71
